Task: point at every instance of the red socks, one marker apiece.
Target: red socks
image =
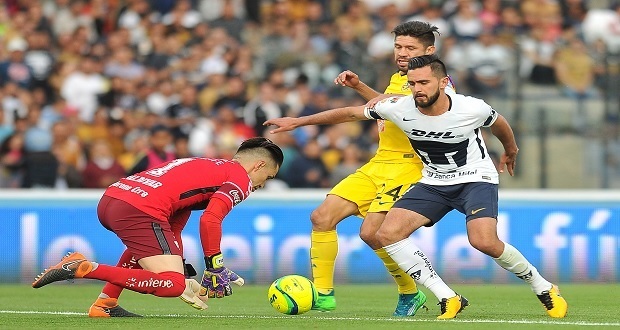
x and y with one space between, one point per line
164 284
126 261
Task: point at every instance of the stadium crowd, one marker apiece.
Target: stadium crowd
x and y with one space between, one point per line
93 90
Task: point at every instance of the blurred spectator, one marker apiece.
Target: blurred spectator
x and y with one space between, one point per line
276 42
41 60
229 20
537 58
12 154
350 162
381 44
262 107
234 94
137 145
490 14
158 153
332 140
102 168
510 26
603 24
464 24
131 15
123 65
163 53
575 71
97 130
182 16
286 142
488 63
229 132
82 86
350 52
212 9
574 12
180 116
357 19
52 112
5 129
542 14
67 147
307 169
40 164
15 69
13 105
181 147
161 98
201 139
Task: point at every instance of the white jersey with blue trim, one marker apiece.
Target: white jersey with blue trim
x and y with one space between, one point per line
451 144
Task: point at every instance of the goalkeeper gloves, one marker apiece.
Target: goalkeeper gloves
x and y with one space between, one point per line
216 278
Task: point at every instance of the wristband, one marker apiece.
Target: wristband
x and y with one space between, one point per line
215 261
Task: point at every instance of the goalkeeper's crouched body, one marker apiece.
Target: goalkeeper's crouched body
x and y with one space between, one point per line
148 210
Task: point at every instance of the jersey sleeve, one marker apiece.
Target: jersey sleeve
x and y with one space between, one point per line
211 226
491 115
479 112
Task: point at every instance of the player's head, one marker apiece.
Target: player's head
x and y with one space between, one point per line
413 38
427 78
261 158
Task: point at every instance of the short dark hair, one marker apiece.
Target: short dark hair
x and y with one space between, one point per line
263 143
437 66
422 31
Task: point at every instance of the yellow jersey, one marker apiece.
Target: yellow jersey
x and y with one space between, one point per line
394 146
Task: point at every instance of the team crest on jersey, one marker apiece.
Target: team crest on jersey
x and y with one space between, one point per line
393 99
404 87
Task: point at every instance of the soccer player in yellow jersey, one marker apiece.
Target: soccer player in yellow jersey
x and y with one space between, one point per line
372 190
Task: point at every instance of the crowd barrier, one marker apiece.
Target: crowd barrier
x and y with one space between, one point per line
569 236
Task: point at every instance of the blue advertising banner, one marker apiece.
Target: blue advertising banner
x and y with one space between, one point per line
569 237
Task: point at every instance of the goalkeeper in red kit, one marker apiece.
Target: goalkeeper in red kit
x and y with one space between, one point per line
148 211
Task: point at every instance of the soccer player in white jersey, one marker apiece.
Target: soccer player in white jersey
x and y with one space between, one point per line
458 173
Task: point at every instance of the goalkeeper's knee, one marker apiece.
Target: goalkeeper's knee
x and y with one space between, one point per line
170 284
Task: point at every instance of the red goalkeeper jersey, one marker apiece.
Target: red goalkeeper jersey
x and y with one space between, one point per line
215 185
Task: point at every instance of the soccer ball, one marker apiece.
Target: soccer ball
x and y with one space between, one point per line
292 294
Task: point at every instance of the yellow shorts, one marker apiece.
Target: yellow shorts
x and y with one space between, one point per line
375 187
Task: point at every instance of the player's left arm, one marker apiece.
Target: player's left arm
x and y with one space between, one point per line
502 130
216 277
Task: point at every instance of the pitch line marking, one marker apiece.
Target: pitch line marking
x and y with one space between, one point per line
335 318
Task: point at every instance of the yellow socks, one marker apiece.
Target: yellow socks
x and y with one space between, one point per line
406 284
323 251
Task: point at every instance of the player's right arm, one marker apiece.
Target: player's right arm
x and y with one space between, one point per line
351 79
502 130
333 116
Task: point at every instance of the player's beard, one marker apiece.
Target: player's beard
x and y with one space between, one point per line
431 100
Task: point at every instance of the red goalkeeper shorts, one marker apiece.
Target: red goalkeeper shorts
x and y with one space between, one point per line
143 235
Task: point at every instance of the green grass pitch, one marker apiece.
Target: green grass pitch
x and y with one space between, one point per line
64 306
